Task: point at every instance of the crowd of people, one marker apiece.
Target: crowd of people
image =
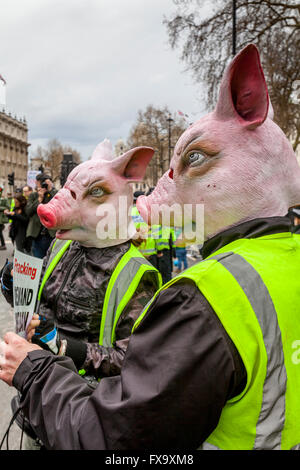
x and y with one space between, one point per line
19 213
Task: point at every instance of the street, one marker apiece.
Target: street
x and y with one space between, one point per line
6 392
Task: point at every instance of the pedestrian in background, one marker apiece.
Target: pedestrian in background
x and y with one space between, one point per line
181 255
40 236
165 243
27 190
19 223
4 205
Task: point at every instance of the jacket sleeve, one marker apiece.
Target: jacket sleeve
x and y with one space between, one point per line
102 361
23 218
7 283
178 372
4 205
32 204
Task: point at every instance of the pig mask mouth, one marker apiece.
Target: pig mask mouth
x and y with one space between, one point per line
49 219
71 234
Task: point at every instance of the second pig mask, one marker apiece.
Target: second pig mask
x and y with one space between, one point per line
94 205
235 162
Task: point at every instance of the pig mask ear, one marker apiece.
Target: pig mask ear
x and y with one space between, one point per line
103 151
132 165
243 91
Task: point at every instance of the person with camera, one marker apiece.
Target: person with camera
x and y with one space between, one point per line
41 237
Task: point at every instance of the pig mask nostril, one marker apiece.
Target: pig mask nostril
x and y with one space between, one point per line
171 173
73 194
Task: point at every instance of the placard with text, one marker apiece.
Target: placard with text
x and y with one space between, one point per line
26 275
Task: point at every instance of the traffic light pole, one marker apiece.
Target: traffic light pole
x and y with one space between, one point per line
11 180
67 166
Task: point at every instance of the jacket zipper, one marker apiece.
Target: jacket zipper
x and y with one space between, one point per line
65 279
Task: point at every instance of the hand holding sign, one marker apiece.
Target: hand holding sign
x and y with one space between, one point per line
35 322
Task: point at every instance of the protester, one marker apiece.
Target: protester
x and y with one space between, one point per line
4 205
157 243
19 223
83 287
213 361
41 237
27 190
165 244
181 255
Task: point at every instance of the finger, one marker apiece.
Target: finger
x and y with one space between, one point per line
33 324
30 334
11 337
7 337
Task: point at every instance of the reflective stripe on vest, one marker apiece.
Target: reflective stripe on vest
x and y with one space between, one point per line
136 217
12 205
272 414
58 250
121 287
265 414
165 237
148 246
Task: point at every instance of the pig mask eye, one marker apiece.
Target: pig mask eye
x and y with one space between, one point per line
97 192
196 158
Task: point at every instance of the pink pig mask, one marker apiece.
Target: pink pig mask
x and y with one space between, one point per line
97 195
235 161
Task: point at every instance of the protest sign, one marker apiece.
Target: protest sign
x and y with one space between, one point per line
31 177
27 272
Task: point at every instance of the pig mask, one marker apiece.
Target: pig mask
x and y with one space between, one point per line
97 195
235 161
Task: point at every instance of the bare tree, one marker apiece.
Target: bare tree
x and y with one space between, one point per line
52 156
154 130
206 46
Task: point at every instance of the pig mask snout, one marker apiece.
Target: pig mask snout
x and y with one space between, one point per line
54 214
47 216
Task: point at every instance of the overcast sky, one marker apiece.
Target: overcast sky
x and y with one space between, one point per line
79 70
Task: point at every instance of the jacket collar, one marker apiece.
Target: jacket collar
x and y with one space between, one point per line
250 229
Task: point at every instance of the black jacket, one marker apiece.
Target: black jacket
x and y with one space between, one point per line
18 230
179 370
73 299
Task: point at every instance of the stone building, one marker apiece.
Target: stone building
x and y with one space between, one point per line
120 147
13 150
